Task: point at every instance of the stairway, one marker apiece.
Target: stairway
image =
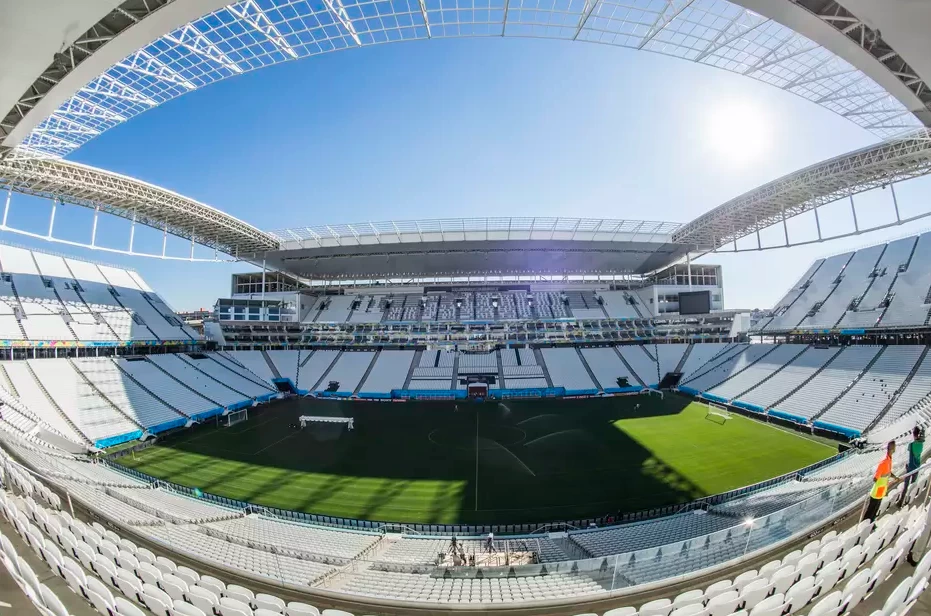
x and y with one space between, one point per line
501 369
191 363
271 364
185 385
775 346
326 372
868 287
7 383
57 408
630 370
808 380
684 358
633 302
232 360
454 381
834 286
546 373
772 374
181 329
256 380
846 389
724 356
908 263
588 369
410 370
898 391
103 396
368 371
146 389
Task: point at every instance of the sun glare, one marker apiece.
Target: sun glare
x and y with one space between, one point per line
738 133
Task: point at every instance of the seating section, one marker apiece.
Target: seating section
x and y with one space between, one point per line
617 305
142 406
91 413
336 309
286 362
607 367
918 389
29 392
703 353
265 385
389 372
812 292
231 378
870 306
293 539
313 368
733 365
49 298
862 403
196 380
668 357
910 301
254 362
888 285
791 377
833 379
566 370
98 563
174 392
641 363
478 363
752 375
852 283
348 370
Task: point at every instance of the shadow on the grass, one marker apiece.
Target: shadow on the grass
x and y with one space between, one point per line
524 461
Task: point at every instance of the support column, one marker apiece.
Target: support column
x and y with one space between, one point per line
6 208
51 220
132 233
818 223
263 281
688 266
94 229
895 203
853 210
785 227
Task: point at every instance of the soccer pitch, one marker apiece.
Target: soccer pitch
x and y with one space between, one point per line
510 462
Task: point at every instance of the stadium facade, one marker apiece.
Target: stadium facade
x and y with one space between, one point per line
97 369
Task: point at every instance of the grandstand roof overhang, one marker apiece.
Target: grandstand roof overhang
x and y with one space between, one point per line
145 52
116 194
799 192
454 247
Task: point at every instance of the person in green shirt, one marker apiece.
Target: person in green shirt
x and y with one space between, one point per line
915 449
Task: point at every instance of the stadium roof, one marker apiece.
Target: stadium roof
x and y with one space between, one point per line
475 246
126 197
799 192
143 53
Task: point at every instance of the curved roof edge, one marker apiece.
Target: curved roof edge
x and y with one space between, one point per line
182 46
132 199
872 167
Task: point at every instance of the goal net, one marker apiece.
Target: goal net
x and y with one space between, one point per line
716 411
235 417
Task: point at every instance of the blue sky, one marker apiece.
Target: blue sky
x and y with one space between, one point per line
489 127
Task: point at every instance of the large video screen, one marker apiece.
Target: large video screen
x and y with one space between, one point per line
695 302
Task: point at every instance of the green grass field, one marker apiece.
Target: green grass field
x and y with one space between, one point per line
440 462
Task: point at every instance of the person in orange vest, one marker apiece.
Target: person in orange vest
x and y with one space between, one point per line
880 483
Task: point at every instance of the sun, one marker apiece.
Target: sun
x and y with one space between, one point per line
738 133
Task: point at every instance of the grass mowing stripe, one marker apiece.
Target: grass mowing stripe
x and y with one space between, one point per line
527 461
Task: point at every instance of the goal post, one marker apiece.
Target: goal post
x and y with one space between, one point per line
716 410
234 417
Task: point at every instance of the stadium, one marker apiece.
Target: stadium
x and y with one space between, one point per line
508 415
